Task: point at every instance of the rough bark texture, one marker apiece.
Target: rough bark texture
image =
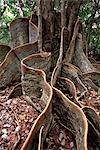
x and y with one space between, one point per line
49 65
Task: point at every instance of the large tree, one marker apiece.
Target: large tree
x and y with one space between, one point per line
49 60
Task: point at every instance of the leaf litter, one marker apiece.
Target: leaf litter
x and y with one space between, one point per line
16 120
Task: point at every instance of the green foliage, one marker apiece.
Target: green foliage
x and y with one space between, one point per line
89 13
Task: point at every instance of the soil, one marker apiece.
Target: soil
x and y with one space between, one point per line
16 120
59 138
92 99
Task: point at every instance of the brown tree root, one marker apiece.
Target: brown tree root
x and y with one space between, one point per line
4 49
94 127
70 51
19 29
16 91
57 69
34 85
72 117
89 83
92 60
94 76
68 112
96 65
10 69
84 64
67 87
72 12
73 73
80 60
33 30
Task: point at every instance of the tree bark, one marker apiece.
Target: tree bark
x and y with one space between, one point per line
62 77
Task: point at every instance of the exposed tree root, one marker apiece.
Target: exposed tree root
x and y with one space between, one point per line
66 110
3 52
48 61
94 126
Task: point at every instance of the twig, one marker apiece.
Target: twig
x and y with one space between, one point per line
18 135
66 128
17 141
81 95
15 115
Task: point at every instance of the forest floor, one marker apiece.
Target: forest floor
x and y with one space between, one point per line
17 118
